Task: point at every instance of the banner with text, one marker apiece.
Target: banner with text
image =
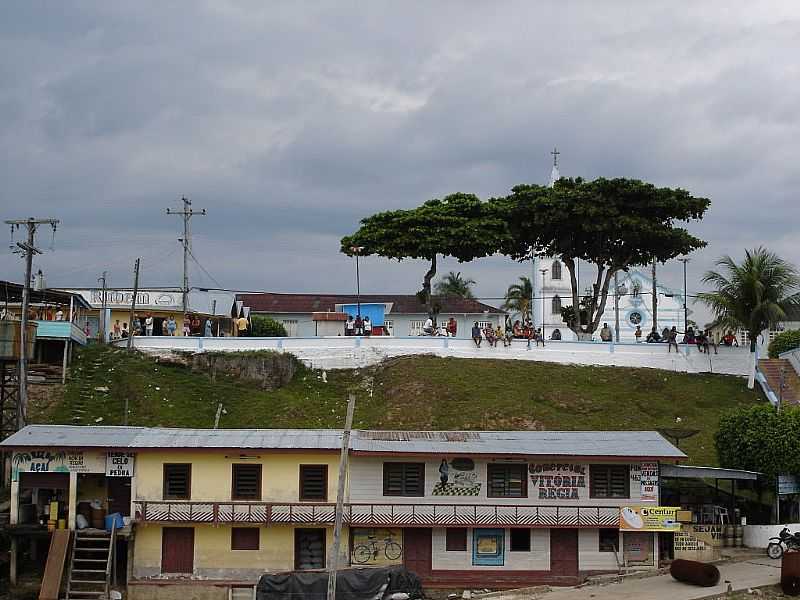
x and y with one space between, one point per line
649 518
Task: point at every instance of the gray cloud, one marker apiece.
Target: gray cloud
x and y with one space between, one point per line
291 122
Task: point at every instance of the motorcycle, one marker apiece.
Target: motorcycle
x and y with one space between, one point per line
785 541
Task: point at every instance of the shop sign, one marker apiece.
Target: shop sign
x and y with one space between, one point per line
649 518
788 484
648 482
119 464
124 298
558 481
457 477
55 461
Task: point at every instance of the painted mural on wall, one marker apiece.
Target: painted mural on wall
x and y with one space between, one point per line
457 477
559 481
56 461
376 546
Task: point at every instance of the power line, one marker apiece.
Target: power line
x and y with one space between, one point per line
197 262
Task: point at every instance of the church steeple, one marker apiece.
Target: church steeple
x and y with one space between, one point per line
554 173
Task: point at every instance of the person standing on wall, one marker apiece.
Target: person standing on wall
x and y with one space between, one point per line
349 326
209 329
367 327
241 326
148 324
452 327
171 326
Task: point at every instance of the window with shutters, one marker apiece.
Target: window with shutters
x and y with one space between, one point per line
245 538
246 482
609 481
555 270
403 479
456 539
520 540
556 305
314 483
507 481
177 481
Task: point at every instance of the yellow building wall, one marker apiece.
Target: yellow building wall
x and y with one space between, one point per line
212 473
124 316
213 554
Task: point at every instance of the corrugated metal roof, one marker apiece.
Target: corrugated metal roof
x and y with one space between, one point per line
518 443
692 472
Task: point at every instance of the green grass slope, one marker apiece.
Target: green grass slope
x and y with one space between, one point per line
420 392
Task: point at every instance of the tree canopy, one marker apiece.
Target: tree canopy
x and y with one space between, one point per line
758 438
458 225
518 298
612 223
453 284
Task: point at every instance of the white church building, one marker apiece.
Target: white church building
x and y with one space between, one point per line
552 291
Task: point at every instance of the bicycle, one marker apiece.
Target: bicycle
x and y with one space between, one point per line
367 552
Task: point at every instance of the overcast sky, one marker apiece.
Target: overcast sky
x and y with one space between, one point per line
290 121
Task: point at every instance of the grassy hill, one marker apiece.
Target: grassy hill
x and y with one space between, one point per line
420 392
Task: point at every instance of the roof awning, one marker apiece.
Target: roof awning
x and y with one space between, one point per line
690 472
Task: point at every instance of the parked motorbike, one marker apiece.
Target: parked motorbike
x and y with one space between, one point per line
785 541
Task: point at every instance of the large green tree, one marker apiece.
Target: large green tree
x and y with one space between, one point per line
752 295
458 225
613 224
453 284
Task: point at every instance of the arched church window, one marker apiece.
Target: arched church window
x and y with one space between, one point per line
556 270
556 310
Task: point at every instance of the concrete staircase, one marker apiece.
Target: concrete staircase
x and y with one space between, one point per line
771 368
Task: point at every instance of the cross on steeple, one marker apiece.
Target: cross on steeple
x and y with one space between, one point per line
555 154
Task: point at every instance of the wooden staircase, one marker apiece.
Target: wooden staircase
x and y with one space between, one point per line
771 368
90 566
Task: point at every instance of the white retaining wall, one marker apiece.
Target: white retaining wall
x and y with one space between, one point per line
757 536
356 352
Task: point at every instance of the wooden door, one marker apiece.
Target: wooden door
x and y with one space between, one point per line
564 552
309 549
119 495
417 544
177 550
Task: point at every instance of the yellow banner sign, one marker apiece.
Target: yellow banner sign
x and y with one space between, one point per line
649 518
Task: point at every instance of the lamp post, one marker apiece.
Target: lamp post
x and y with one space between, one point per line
543 271
357 250
685 309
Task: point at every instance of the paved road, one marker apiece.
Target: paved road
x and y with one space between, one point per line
750 573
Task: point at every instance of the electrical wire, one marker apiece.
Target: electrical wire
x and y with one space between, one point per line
202 268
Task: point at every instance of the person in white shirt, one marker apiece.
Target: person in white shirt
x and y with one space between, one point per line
349 326
148 324
427 329
367 326
59 315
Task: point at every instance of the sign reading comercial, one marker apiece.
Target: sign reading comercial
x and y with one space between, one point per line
649 518
119 464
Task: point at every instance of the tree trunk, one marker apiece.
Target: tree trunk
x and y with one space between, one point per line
426 289
575 325
751 377
584 336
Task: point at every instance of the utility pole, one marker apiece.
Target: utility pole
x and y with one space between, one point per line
685 296
133 305
655 298
542 271
187 213
27 249
616 306
337 527
103 323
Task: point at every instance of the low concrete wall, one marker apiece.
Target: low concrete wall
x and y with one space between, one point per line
757 536
356 352
182 590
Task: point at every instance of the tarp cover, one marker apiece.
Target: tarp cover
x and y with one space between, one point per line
351 584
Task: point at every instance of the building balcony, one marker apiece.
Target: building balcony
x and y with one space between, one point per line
60 330
376 515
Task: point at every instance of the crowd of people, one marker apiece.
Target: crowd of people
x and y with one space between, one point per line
147 325
700 338
358 326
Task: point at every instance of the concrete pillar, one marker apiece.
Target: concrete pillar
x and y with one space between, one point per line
72 506
14 517
133 494
64 362
12 563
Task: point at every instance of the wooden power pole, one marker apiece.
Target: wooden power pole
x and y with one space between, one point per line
133 307
655 298
26 249
103 323
187 213
337 527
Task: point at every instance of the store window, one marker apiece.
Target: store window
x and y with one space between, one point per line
507 481
403 479
456 539
246 482
314 483
520 540
609 481
488 547
177 481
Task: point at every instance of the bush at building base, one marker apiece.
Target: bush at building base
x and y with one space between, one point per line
783 342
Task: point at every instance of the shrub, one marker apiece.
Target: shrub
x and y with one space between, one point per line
783 342
266 327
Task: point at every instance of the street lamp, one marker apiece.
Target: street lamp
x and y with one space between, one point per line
619 290
356 250
685 309
543 271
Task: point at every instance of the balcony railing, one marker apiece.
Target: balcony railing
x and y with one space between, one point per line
380 515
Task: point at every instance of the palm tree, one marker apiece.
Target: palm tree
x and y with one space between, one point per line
753 295
519 297
453 284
